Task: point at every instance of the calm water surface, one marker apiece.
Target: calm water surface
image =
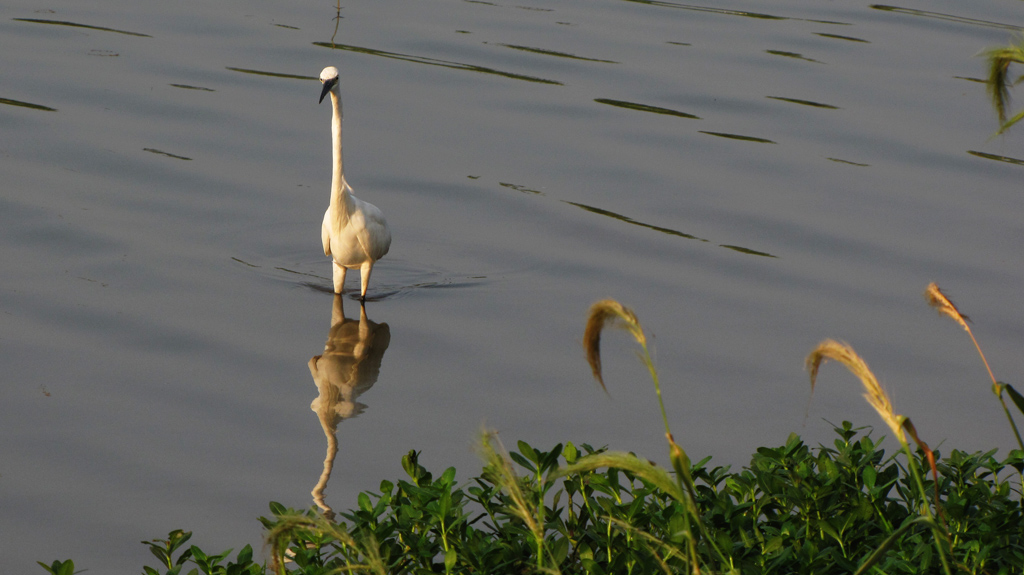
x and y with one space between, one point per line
751 177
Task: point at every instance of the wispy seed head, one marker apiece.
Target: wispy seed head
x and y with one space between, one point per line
612 313
873 392
944 306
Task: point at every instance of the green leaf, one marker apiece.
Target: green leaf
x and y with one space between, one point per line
1016 118
570 453
870 475
364 502
525 463
559 550
59 567
410 463
245 555
1017 398
550 459
528 451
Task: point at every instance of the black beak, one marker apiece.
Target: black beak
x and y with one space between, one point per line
327 88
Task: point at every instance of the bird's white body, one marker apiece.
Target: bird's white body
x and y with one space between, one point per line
355 233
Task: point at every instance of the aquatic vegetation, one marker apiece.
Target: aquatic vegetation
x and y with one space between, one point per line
793 509
1000 81
847 507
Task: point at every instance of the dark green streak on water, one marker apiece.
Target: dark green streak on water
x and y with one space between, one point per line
271 74
519 188
26 105
629 220
668 231
1005 159
728 12
791 55
645 108
245 262
838 37
749 251
187 87
435 62
837 160
724 11
803 102
969 79
163 153
553 53
286 270
76 25
738 137
947 17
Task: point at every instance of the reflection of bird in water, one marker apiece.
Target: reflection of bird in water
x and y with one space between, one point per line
347 368
355 233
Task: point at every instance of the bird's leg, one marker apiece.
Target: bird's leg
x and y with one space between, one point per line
339 277
364 278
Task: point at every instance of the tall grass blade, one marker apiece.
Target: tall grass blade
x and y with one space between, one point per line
652 544
928 454
944 305
628 462
877 398
496 457
1017 398
610 312
613 313
877 555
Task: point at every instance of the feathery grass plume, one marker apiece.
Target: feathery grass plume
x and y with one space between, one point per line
611 312
999 60
646 470
945 306
497 459
299 526
877 398
608 312
873 392
651 543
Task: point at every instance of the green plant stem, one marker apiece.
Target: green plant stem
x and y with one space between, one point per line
938 534
1006 410
649 363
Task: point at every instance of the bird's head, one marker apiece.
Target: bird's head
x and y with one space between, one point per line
329 78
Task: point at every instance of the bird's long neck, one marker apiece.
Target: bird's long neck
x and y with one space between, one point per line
338 185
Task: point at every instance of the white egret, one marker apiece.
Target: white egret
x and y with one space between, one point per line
355 233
